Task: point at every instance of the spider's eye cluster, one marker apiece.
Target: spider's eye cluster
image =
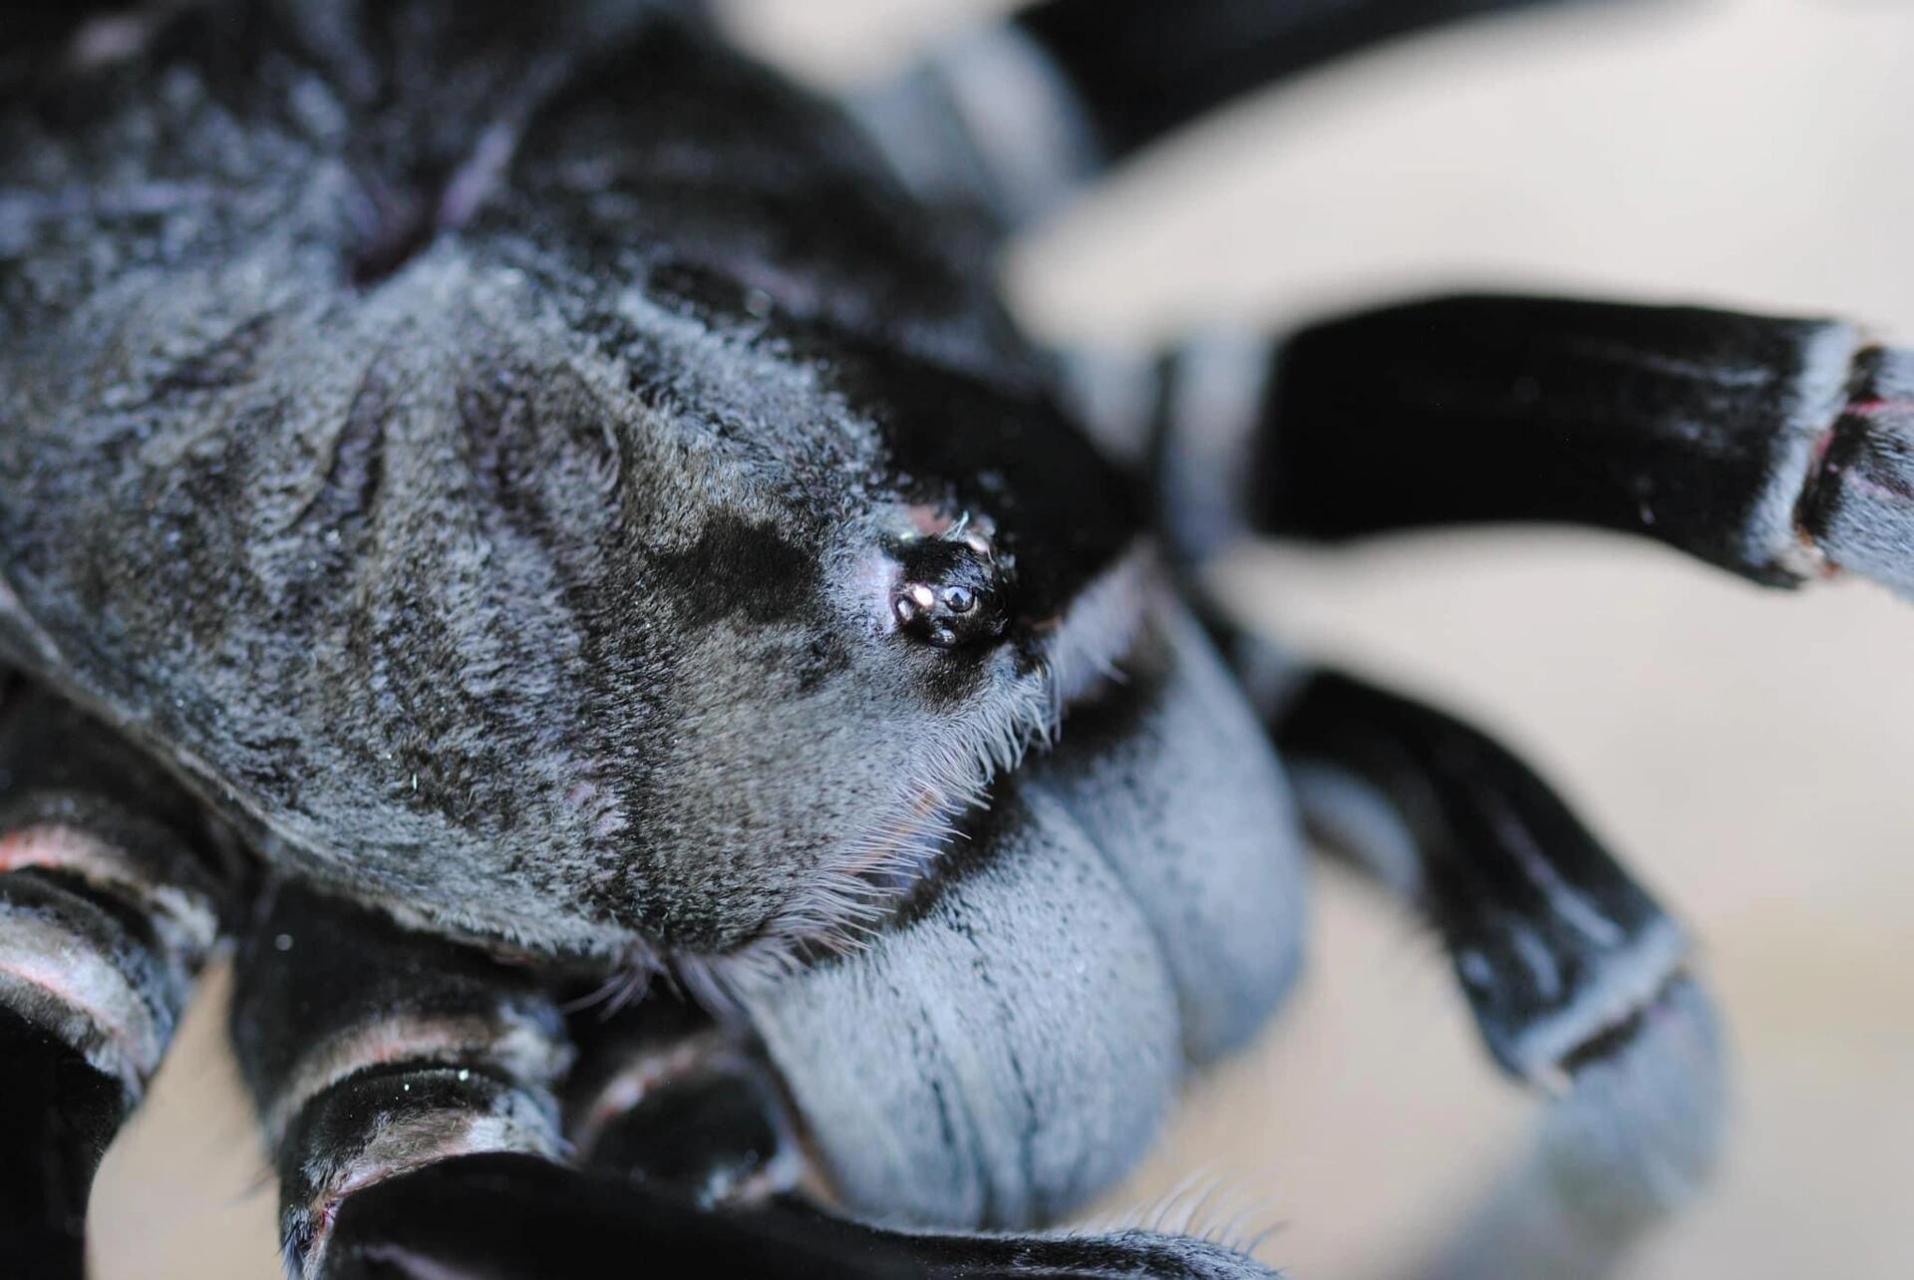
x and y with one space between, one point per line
953 588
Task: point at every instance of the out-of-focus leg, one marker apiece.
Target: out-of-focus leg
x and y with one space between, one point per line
1579 982
1011 120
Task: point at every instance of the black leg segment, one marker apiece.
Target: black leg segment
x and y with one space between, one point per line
108 905
509 1217
1143 69
1778 449
372 1053
1578 980
1554 943
57 1114
664 1094
409 1092
516 1217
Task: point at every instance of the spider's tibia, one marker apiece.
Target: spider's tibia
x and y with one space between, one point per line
1578 980
1555 945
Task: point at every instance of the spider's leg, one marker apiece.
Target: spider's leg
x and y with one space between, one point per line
671 1099
1578 981
665 1093
1011 120
370 1051
407 1088
108 905
1778 449
1004 1048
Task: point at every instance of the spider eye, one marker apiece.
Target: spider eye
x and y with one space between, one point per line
952 589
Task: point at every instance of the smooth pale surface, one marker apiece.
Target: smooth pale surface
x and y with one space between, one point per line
1749 752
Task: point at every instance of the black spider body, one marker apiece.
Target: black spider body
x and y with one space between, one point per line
569 508
512 535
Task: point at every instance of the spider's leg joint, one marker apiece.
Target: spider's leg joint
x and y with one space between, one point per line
1857 510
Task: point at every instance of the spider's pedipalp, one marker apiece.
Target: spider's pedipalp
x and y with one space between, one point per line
1000 1054
1171 779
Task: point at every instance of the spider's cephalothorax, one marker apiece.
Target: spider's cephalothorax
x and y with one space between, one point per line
499 502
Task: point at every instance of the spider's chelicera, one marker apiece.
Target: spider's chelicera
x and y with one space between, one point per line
500 503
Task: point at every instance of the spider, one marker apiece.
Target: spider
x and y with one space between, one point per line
539 532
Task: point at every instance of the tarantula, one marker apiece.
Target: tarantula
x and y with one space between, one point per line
515 512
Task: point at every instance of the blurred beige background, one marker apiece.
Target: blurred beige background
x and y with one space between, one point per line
1750 752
